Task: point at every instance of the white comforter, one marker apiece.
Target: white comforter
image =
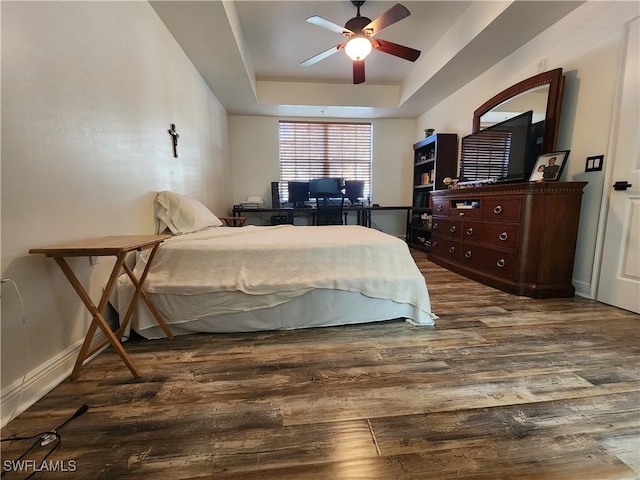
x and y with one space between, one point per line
282 262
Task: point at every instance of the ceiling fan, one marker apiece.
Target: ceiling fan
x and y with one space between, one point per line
360 32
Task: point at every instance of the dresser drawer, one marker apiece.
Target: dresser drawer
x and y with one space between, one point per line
446 227
464 213
501 209
445 248
440 206
492 234
493 261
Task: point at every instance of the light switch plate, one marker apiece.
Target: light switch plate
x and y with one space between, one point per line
594 164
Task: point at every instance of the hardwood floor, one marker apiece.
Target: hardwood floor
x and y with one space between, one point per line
503 387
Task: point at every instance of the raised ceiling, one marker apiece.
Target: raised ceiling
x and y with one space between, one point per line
249 52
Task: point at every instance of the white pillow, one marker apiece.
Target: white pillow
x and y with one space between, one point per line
182 214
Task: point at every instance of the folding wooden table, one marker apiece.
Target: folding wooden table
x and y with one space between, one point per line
118 246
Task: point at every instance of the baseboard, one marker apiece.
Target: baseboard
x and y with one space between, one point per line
583 289
40 381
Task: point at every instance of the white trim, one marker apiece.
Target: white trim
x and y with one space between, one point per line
41 380
583 289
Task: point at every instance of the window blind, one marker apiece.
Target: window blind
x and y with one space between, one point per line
319 150
485 155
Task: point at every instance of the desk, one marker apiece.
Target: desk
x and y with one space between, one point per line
289 212
366 211
117 246
363 213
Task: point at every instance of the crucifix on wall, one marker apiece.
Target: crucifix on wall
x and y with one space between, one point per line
174 137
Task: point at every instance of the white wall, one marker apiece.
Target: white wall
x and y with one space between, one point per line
89 90
586 45
255 158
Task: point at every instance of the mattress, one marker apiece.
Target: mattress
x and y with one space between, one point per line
227 279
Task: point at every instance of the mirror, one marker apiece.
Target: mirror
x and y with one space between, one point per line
541 93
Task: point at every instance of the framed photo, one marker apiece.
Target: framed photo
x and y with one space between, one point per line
549 166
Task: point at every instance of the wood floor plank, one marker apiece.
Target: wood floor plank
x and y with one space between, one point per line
456 429
445 396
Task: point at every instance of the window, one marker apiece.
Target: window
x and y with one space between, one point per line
319 150
485 155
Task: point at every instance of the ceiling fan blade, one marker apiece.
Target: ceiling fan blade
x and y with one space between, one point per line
358 71
322 55
391 16
324 23
401 51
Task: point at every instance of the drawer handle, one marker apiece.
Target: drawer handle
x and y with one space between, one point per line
435 225
439 208
461 214
503 236
467 254
452 249
501 263
470 231
434 244
498 210
452 229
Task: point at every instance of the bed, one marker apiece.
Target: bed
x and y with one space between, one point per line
214 278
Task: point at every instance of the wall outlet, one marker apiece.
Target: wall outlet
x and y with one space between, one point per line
542 65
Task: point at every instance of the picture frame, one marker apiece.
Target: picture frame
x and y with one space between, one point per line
549 166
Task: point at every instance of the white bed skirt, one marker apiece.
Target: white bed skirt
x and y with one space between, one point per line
316 308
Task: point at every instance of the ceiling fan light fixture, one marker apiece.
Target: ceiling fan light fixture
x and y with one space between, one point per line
358 47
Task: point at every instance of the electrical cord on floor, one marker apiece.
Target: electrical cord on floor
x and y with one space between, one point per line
43 439
26 346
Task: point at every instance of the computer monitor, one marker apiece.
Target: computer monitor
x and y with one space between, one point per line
325 187
298 193
354 190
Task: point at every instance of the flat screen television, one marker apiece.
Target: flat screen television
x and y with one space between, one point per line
326 187
298 193
501 152
354 190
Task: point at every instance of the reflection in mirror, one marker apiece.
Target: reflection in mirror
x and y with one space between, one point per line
540 93
534 99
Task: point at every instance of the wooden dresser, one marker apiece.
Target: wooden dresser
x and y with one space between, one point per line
519 237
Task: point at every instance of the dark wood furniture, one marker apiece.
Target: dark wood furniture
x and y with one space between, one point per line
519 238
118 246
527 93
435 158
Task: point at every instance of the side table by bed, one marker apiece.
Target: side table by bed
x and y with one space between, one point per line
118 246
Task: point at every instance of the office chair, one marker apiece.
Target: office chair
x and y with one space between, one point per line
329 210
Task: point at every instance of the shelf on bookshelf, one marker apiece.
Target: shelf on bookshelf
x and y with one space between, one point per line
424 162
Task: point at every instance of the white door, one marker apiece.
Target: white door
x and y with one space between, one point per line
619 282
